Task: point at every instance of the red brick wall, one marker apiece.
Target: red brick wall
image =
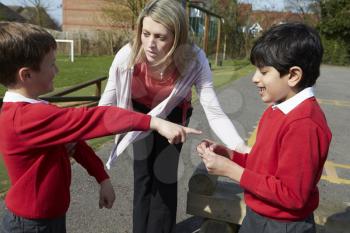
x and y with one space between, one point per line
85 15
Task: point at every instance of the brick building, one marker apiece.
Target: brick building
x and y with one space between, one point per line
88 15
93 14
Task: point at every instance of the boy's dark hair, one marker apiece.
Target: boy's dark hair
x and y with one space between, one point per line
287 45
22 45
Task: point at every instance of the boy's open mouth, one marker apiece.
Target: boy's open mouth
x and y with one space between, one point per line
261 90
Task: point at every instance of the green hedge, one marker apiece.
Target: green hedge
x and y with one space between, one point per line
336 52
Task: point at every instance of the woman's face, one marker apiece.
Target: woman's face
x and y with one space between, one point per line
156 40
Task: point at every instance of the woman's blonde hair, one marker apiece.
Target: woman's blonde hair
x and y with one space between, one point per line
171 15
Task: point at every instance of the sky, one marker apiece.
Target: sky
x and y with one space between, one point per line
55 11
265 4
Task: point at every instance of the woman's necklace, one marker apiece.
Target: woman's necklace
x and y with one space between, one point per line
161 73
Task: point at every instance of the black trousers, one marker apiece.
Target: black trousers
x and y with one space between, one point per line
255 223
12 223
155 180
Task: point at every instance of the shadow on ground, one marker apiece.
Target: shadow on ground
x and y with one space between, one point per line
189 225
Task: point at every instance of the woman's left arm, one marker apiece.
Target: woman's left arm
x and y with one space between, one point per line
218 120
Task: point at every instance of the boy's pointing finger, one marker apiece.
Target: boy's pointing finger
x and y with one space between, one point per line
192 131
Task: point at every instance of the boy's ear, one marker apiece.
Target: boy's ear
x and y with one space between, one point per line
24 74
296 74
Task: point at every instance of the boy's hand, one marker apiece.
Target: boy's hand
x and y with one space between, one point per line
173 132
107 195
216 148
220 165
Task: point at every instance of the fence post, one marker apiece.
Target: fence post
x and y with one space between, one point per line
206 32
218 60
98 88
110 36
79 44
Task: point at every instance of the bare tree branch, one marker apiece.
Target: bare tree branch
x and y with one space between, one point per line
131 8
304 7
41 7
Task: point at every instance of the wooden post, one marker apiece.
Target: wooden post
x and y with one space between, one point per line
111 43
79 44
224 55
98 88
188 12
206 33
218 59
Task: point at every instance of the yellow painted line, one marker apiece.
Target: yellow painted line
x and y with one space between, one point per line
330 170
339 103
346 166
330 167
336 180
252 138
332 176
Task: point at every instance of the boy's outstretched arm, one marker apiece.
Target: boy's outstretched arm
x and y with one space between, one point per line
173 132
107 194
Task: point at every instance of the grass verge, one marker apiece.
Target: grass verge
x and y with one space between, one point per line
4 181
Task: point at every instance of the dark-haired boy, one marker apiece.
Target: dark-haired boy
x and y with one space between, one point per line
34 134
281 172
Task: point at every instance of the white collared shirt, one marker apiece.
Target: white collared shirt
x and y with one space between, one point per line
11 96
291 103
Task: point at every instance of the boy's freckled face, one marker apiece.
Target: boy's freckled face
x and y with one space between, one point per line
271 86
44 78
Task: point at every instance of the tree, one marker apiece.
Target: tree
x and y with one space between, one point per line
2 15
41 17
118 11
228 10
335 19
305 8
335 30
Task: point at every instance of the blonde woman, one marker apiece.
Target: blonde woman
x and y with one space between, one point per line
154 74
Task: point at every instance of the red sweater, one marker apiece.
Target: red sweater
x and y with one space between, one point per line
285 164
32 140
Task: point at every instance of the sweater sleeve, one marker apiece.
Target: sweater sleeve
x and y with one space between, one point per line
218 120
239 158
300 164
42 125
87 158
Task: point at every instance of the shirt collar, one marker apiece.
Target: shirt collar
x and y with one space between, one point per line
16 97
291 103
